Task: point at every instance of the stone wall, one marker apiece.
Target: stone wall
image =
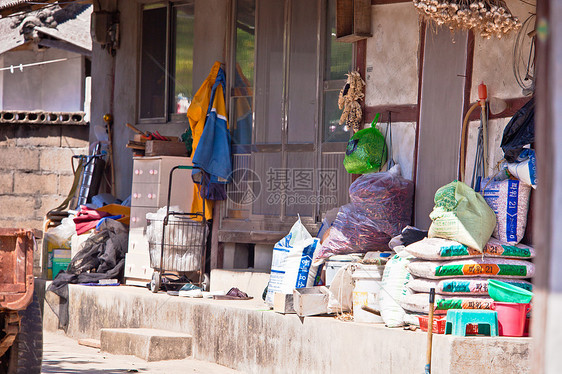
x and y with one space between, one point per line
35 170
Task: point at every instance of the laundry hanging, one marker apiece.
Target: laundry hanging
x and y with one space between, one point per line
209 126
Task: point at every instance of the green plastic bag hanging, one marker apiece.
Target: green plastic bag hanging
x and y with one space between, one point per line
366 151
187 139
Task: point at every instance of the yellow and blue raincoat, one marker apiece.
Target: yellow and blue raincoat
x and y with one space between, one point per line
211 139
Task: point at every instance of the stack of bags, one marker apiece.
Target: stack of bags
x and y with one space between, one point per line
459 256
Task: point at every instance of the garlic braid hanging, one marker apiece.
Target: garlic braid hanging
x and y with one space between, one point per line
348 100
488 17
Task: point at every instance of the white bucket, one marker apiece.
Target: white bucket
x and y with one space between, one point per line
367 286
332 268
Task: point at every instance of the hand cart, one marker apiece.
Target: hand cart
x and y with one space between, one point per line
178 242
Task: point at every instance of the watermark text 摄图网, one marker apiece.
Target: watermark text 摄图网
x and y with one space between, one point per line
287 186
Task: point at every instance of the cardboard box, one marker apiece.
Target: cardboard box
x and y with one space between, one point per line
62 253
58 265
310 301
164 148
283 303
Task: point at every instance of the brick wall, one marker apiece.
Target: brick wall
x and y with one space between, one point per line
35 170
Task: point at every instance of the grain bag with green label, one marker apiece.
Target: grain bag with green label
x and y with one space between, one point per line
462 215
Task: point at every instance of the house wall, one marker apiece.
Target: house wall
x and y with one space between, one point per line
51 87
493 65
209 47
392 76
36 172
1 81
392 73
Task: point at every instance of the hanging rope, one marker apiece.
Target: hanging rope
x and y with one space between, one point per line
20 67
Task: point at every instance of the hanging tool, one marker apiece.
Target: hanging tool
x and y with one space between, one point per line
483 99
108 119
388 135
482 103
430 330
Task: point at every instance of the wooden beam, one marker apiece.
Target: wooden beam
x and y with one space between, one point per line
66 46
421 51
466 99
384 2
513 105
468 72
400 113
217 248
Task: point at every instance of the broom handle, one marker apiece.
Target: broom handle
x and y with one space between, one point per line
430 330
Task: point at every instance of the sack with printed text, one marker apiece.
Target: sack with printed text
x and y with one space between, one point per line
473 267
509 199
461 286
419 303
291 265
444 249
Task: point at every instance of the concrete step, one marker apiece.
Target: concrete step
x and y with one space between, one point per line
92 343
148 344
246 336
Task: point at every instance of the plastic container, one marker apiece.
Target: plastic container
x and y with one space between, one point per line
367 286
511 318
332 268
440 322
508 293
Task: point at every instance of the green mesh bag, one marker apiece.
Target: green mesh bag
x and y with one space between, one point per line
366 151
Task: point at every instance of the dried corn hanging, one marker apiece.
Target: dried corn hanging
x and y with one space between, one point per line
488 17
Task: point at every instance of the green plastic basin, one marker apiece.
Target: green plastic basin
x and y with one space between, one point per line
508 293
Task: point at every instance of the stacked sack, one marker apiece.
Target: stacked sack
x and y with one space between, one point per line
459 256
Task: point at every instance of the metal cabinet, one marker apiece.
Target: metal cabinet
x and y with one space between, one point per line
149 192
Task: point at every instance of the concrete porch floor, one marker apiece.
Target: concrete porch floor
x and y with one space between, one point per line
246 336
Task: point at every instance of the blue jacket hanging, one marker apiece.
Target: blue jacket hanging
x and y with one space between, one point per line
213 153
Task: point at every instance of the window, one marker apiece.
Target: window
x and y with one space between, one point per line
166 72
338 62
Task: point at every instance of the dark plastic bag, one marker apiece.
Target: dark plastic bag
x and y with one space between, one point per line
381 207
519 132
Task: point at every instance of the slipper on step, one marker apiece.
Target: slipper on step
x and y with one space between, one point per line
233 294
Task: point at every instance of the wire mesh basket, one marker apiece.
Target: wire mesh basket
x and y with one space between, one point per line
182 241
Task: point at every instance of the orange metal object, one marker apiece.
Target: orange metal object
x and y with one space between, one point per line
16 268
482 92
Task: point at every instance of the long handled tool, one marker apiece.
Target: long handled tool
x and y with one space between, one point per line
481 158
430 330
108 119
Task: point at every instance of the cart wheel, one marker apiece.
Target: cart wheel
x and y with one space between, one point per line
155 282
206 283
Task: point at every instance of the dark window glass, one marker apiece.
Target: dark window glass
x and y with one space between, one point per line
153 63
242 92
